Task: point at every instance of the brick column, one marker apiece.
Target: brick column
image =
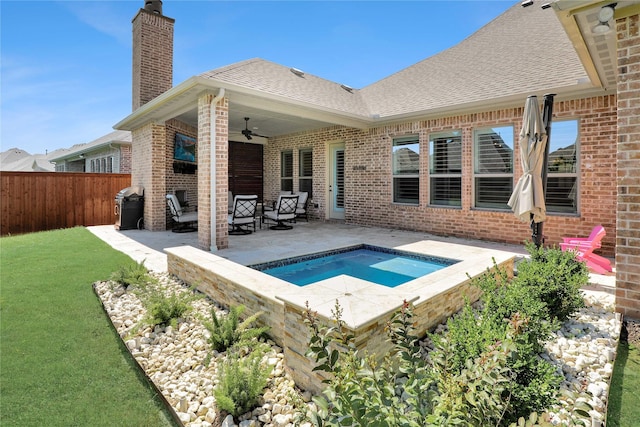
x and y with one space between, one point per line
221 186
628 164
148 152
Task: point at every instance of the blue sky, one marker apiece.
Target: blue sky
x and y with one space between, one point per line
65 66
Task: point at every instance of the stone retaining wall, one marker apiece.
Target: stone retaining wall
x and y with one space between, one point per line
231 284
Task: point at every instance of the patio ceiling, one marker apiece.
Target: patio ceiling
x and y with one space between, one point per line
597 51
263 122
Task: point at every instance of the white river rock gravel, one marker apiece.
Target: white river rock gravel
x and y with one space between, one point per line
175 358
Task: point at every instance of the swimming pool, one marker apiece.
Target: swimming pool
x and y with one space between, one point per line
386 267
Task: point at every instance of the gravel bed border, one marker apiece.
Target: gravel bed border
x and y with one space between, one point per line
174 360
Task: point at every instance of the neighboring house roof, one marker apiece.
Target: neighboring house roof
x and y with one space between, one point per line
118 137
17 160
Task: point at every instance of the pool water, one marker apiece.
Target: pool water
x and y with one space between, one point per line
383 266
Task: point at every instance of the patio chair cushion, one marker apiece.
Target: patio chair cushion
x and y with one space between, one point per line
272 206
177 213
303 201
285 210
243 213
180 217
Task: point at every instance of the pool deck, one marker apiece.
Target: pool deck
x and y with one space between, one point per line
306 237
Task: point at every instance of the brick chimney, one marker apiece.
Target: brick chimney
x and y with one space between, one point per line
152 53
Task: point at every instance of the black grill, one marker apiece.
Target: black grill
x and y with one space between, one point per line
129 208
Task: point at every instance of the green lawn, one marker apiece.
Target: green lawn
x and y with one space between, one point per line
62 364
624 402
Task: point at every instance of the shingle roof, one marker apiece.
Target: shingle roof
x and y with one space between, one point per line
117 136
17 160
523 51
275 79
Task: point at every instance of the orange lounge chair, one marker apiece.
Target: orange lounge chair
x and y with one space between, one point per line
584 247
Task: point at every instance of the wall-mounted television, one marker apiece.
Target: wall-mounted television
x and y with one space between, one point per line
184 148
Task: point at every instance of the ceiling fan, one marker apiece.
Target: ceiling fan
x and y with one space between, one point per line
249 133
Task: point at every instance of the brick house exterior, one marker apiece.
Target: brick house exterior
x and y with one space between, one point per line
368 194
110 153
419 102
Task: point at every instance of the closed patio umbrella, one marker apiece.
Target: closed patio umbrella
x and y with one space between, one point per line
527 199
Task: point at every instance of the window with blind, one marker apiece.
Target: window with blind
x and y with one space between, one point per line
406 170
493 167
445 169
562 168
286 171
305 176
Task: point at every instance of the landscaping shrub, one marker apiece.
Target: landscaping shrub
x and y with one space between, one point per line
132 274
241 381
166 308
555 277
229 330
484 370
508 306
243 374
478 394
363 392
403 389
472 335
502 297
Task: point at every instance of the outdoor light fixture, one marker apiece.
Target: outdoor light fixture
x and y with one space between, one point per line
604 16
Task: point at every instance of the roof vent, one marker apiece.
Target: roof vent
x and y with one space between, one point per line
526 3
297 72
347 88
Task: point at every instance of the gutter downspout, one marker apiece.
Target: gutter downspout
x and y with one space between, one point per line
212 159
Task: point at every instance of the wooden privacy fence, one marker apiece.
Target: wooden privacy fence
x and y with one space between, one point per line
37 201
